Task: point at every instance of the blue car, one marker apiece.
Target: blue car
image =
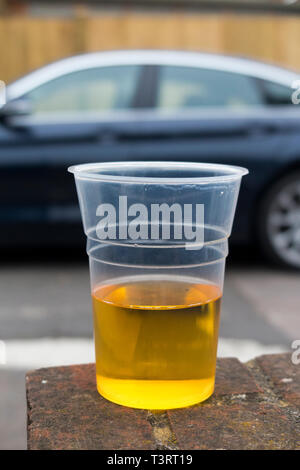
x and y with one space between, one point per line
151 105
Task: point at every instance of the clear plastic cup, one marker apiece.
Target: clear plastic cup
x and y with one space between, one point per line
157 240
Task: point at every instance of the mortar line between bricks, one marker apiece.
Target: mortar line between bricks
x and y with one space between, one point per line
270 393
263 381
163 434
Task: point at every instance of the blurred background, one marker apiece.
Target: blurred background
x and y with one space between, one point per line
228 100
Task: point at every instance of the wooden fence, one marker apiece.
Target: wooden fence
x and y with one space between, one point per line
28 42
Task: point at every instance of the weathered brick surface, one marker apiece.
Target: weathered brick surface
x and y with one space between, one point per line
65 411
285 375
233 426
233 378
241 415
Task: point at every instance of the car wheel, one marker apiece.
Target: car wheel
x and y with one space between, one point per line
279 222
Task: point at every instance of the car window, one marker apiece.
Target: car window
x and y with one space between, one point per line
276 94
97 89
190 87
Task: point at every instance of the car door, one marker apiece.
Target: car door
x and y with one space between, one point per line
216 116
73 120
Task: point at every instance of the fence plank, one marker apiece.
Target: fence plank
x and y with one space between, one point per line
27 43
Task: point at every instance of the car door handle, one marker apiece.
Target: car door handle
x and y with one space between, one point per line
107 137
263 129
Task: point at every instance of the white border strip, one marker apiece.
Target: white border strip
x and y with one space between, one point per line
49 352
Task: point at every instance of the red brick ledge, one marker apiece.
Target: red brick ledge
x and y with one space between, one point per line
255 406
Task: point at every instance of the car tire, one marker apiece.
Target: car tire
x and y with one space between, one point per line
279 222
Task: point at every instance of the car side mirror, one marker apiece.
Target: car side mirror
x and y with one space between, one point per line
15 108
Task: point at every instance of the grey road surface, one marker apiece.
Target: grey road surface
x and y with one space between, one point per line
258 304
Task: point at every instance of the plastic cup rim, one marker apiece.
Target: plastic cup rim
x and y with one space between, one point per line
92 171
